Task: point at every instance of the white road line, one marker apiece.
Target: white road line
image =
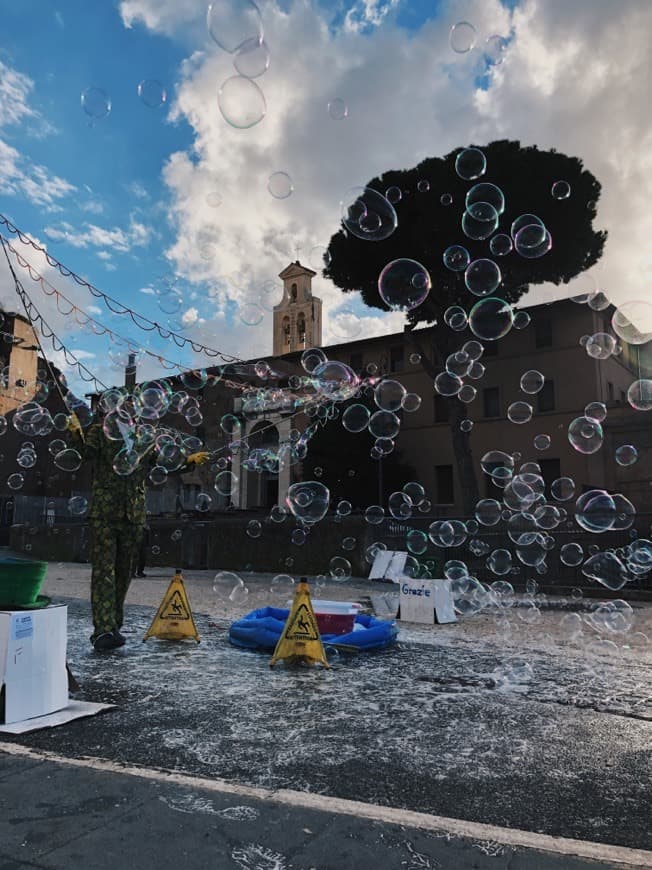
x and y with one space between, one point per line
617 855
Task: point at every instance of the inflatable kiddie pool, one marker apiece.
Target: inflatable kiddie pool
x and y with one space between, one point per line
261 630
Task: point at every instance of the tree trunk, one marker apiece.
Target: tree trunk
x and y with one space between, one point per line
457 411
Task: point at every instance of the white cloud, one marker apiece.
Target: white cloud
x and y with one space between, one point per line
366 14
148 291
20 177
92 235
93 309
190 317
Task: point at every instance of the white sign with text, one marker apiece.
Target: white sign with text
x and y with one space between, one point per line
426 601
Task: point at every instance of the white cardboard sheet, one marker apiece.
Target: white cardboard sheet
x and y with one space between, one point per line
74 710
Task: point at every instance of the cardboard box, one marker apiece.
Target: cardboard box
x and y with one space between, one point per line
33 676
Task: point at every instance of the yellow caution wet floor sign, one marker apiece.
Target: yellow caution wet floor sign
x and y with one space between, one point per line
300 642
173 620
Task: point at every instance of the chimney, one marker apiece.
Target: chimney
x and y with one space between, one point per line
130 372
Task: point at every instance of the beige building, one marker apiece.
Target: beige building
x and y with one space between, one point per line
297 317
18 361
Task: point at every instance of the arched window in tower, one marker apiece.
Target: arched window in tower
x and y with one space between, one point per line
301 329
293 293
286 331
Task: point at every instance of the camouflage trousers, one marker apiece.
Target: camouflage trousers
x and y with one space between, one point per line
114 550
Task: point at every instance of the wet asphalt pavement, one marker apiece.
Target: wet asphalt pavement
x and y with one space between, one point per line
537 742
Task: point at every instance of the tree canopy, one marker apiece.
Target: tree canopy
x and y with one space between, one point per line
427 227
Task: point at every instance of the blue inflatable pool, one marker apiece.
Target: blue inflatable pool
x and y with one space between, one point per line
261 630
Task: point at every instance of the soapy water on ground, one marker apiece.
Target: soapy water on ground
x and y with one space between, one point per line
454 721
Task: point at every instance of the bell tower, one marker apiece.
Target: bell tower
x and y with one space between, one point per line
297 317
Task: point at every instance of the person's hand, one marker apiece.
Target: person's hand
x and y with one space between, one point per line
73 425
198 458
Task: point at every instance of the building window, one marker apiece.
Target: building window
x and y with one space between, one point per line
440 409
610 391
491 487
356 362
491 402
550 470
543 332
396 359
623 397
301 329
293 293
546 397
444 487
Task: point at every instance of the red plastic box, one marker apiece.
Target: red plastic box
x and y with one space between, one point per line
335 623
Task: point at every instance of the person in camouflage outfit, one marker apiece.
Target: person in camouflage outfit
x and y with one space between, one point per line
117 522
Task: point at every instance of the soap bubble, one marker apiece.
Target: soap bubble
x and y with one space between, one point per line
521 319
447 384
393 194
312 358
335 380
455 318
524 220
15 481
280 185
482 277
466 425
632 322
400 505
598 301
384 424
77 505
485 193
152 93
600 346
462 37
374 514
411 402
639 395
494 49
596 411
202 502
68 460
541 442
337 109
423 185
491 318
367 214
234 23
339 568
356 418
241 102
344 508
519 412
308 501
446 199
389 395
627 454
254 529
560 190
470 164
298 537
480 221
608 570
404 284
488 511
416 542
532 382
533 241
500 562
96 103
224 584
585 435
500 245
252 59
456 258
595 511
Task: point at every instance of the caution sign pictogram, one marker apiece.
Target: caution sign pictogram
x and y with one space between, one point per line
173 620
300 642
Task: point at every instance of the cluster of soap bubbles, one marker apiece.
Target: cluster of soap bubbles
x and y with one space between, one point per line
97 104
463 38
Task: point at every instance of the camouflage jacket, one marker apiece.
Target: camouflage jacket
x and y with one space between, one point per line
114 497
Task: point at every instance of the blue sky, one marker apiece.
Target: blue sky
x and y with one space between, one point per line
123 200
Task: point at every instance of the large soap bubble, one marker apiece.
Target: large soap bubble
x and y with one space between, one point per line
479 221
280 185
585 435
595 511
404 284
485 192
241 102
335 380
470 164
533 241
308 501
252 59
456 258
491 318
482 277
96 103
639 395
368 214
632 322
608 570
234 23
462 37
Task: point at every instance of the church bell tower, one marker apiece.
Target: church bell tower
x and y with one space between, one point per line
297 317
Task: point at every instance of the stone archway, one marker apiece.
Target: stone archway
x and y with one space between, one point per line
262 486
